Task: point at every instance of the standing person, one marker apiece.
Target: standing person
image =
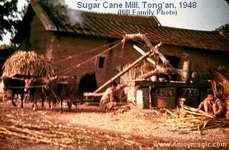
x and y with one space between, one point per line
108 100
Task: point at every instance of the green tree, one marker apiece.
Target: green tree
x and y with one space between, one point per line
224 29
8 16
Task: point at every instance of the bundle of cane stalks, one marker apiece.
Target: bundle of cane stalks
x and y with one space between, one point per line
27 64
45 132
188 119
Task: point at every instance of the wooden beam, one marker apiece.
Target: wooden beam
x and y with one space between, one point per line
138 49
92 94
165 67
138 36
158 69
128 68
148 43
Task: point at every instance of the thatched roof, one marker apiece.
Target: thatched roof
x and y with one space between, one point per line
27 64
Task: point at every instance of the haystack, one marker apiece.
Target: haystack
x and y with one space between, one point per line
27 64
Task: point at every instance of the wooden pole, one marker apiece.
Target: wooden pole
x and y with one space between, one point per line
128 68
88 94
138 36
159 68
148 44
138 49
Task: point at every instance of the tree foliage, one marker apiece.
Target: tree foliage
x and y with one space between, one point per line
8 16
224 29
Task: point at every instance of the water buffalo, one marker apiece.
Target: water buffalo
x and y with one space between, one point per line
66 89
55 90
16 87
36 88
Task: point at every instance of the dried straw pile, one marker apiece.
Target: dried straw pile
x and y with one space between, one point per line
27 64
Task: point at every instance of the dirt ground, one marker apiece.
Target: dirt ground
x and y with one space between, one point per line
88 128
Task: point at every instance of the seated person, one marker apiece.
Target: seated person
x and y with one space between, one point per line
109 98
219 108
212 106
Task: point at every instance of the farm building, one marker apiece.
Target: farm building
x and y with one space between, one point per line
69 37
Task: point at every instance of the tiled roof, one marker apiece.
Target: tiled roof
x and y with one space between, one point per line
97 24
115 26
190 38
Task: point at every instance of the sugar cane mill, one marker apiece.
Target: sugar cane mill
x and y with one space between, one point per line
87 80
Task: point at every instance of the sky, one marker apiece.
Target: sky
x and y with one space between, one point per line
208 15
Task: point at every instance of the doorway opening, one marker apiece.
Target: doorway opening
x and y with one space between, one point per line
87 83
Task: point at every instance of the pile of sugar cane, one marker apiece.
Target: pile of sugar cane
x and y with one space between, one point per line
45 131
27 64
188 119
37 127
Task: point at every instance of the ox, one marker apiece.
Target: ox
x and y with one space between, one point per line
54 90
16 87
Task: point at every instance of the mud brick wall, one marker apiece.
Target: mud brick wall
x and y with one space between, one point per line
81 49
60 46
201 60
